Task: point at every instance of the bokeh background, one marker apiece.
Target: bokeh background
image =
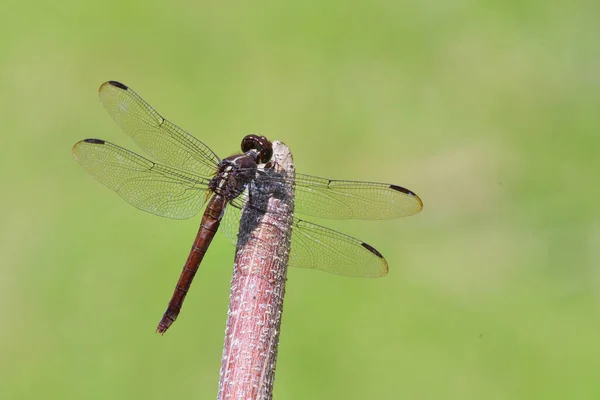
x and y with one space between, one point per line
488 110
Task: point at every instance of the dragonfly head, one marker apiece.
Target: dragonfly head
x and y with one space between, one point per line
261 145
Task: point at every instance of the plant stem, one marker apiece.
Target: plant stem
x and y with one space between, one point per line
258 285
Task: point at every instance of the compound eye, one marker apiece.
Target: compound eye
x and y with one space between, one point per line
265 154
249 142
259 143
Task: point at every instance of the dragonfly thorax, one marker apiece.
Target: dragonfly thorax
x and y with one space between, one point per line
234 174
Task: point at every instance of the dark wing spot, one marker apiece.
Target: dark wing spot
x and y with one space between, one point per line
94 141
371 249
401 189
118 84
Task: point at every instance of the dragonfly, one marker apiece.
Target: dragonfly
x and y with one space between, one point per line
182 174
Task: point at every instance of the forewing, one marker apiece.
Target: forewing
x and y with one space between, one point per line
335 199
151 187
161 139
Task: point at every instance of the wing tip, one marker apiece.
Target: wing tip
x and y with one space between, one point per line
383 271
78 144
118 85
403 190
371 249
94 141
408 193
115 84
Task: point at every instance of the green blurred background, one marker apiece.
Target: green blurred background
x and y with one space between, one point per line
489 111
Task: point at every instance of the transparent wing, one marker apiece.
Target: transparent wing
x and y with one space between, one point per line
334 199
151 187
230 223
315 196
161 139
317 247
314 246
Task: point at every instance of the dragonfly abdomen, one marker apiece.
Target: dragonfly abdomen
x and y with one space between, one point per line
211 219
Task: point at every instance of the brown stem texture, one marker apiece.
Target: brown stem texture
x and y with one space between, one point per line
258 284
